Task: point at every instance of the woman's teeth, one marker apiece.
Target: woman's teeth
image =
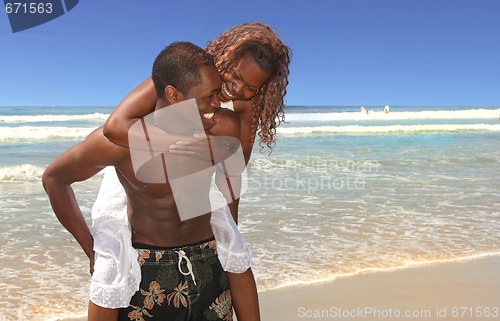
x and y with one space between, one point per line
226 91
208 115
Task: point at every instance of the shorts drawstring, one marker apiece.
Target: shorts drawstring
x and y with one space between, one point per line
182 255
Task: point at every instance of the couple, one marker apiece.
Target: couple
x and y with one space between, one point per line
254 68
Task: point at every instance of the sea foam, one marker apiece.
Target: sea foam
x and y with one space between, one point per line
21 173
379 115
393 129
9 134
52 118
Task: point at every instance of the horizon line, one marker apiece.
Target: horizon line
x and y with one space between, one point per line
287 105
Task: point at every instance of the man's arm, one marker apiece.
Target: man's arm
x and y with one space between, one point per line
77 164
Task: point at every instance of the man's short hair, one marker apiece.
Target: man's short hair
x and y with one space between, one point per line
179 65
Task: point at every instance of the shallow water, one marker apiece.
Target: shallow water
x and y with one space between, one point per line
360 193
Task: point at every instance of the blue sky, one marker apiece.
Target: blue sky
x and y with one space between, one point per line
345 52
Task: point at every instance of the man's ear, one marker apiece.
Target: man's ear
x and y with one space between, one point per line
172 95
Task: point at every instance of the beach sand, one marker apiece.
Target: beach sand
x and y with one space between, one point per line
468 290
431 292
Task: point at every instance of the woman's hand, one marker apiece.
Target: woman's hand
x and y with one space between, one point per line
204 147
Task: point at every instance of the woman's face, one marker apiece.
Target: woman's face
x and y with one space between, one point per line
243 80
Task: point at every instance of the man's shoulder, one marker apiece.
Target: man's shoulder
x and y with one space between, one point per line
228 123
227 115
98 143
243 106
97 138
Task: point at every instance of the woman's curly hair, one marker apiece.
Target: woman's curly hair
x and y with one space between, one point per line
270 54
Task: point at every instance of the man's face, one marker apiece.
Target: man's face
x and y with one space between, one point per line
205 94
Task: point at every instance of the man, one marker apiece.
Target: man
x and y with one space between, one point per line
181 276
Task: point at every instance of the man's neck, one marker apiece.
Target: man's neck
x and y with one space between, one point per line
161 103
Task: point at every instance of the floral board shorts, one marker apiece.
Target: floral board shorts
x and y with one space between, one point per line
184 283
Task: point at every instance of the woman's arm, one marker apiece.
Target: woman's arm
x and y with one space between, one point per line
139 102
244 111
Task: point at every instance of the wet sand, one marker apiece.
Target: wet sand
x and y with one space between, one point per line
468 290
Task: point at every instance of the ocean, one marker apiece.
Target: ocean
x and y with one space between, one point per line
341 193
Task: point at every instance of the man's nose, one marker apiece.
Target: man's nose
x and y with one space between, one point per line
215 102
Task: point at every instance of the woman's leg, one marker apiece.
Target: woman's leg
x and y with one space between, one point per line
97 313
244 295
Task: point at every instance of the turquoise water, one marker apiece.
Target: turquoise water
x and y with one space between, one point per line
342 192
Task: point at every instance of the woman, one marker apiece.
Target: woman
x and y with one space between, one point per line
254 66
